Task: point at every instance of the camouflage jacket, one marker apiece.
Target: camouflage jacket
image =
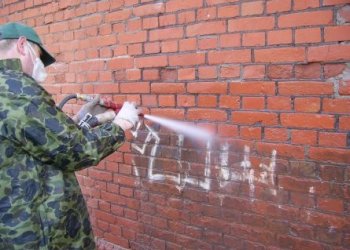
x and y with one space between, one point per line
41 204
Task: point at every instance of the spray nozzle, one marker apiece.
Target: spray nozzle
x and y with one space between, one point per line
104 103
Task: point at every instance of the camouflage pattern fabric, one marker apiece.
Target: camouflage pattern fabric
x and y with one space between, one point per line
41 204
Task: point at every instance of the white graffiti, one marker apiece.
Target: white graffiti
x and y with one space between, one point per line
240 171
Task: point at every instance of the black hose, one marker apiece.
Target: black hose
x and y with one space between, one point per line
66 99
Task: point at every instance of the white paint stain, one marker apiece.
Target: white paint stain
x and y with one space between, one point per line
226 173
246 162
206 183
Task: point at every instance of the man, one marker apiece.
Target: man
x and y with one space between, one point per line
41 204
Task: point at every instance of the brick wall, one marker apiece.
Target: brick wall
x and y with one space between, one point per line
271 78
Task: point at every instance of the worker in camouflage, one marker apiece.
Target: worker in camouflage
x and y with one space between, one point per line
41 204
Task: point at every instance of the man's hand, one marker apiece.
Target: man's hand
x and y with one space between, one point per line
92 114
92 108
127 117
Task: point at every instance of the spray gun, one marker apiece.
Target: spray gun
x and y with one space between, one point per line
89 120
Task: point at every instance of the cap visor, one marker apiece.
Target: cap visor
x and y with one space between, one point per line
45 57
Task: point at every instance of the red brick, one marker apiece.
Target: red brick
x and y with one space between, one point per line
150 74
151 61
169 46
324 220
323 17
208 101
252 8
308 35
165 34
207 87
329 53
138 37
276 134
121 63
283 150
150 23
332 139
306 137
228 11
309 104
216 2
299 120
168 74
134 49
91 20
188 44
330 155
133 74
280 71
254 72
280 55
207 43
232 56
137 87
279 103
230 71
175 5
151 48
336 106
301 4
186 17
303 185
253 39
332 173
167 20
227 130
207 72
253 133
206 114
227 101
344 122
334 2
308 71
254 103
187 59
149 100
302 169
166 100
206 28
252 88
344 87
117 15
251 23
252 118
230 40
274 6
279 37
105 88
161 88
133 25
149 9
337 33
305 88
186 74
185 100
206 14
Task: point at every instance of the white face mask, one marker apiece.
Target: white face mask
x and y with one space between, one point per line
39 72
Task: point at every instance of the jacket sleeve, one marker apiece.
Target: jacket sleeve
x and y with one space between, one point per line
49 135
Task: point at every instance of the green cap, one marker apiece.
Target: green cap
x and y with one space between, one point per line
16 30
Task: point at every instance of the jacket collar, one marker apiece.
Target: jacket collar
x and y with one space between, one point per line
13 64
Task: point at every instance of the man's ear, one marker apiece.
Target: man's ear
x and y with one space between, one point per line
20 46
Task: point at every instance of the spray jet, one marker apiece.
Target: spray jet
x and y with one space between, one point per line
90 121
